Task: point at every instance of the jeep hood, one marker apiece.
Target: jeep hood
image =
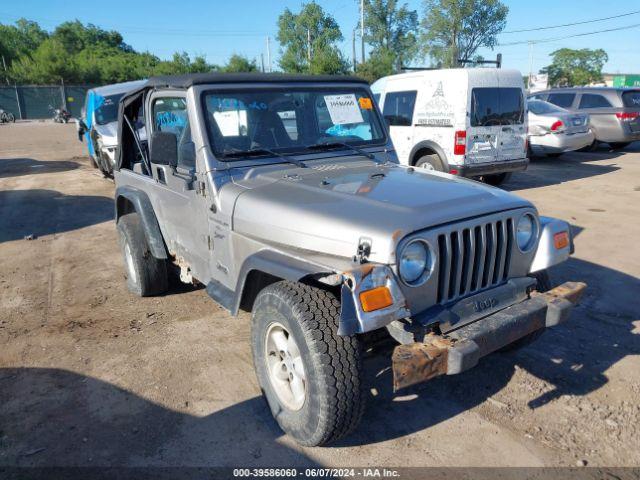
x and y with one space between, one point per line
328 209
108 132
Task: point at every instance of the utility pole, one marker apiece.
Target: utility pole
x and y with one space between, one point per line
262 61
4 64
530 63
353 50
269 52
309 47
362 28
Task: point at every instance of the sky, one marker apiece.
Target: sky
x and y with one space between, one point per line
218 29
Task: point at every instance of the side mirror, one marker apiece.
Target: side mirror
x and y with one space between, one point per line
164 149
82 128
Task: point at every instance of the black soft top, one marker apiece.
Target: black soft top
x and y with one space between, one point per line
188 80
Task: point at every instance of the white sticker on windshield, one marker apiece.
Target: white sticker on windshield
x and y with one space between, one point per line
343 109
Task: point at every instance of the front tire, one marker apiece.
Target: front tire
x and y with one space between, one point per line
310 376
146 275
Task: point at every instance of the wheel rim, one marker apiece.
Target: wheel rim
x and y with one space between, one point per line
129 259
284 367
426 166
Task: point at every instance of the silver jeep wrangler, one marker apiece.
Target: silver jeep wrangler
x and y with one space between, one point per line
284 197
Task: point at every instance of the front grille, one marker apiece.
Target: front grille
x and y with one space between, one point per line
473 258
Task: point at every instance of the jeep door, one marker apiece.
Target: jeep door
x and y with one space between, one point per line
179 204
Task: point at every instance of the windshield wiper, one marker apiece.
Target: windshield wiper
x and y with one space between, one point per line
321 145
252 152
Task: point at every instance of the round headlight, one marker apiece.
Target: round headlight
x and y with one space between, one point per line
414 260
526 231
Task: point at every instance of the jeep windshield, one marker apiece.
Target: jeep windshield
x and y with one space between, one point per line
107 112
290 120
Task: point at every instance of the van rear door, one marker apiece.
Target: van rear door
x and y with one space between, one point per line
482 133
496 122
512 136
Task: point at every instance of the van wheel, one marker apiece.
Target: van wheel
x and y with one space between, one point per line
146 275
619 145
496 179
543 284
430 162
310 376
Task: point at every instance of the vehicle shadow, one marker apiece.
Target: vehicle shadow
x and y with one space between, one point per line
552 171
41 212
16 167
570 357
53 417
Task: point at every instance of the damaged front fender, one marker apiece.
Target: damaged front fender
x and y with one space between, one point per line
353 319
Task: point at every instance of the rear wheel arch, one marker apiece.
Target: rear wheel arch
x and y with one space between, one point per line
428 148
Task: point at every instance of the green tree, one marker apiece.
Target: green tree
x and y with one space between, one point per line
20 39
381 62
454 30
238 64
576 67
76 37
390 29
294 33
181 63
50 63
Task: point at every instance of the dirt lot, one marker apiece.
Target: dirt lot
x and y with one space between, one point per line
90 375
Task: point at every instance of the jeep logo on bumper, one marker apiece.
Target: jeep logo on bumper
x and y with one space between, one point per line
482 305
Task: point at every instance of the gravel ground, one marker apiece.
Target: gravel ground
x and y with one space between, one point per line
92 376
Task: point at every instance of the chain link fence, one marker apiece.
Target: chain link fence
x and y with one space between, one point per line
30 102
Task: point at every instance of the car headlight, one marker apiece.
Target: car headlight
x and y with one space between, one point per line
415 260
526 232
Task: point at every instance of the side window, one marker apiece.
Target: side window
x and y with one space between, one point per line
398 108
590 100
564 100
170 115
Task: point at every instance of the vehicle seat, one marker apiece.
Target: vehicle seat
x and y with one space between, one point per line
269 131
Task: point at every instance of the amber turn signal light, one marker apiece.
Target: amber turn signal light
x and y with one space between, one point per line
561 240
376 299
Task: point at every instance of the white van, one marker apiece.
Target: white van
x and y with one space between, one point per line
465 121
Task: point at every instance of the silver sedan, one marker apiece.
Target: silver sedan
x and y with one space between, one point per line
554 130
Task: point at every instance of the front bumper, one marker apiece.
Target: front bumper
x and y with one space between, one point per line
476 170
461 349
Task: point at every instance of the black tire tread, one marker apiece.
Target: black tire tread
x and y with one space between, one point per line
152 272
339 357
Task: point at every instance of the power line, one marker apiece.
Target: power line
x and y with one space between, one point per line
547 40
572 24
